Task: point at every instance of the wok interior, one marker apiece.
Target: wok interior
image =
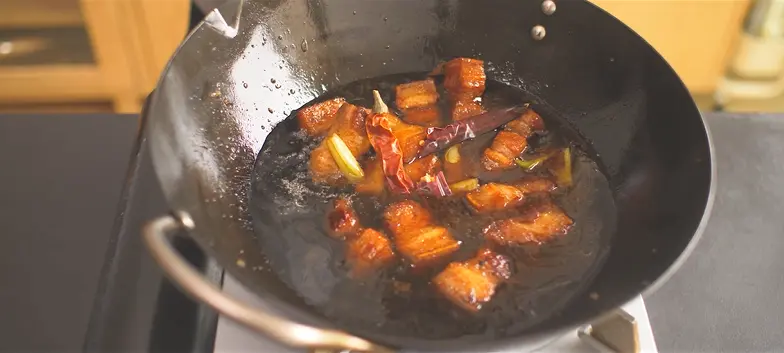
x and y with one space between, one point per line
221 96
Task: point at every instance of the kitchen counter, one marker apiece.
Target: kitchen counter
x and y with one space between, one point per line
729 294
62 178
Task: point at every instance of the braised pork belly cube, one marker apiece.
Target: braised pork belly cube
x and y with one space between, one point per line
366 249
465 107
429 164
350 126
416 94
510 142
464 77
428 116
373 183
342 220
526 124
426 246
316 119
415 235
406 216
472 283
506 146
533 185
323 168
369 251
547 222
410 138
496 197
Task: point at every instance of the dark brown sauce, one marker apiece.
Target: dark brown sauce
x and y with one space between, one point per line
289 214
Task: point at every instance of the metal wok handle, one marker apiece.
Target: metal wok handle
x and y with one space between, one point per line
156 234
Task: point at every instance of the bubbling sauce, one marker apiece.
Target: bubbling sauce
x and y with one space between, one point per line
397 304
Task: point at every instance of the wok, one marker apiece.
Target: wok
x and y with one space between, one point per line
249 64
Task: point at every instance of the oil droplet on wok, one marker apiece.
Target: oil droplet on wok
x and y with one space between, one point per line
280 37
355 12
304 45
272 80
244 85
387 47
277 85
291 91
270 110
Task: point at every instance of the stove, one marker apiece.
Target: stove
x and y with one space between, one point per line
138 309
626 331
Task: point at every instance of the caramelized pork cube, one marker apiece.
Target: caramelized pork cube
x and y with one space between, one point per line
416 237
350 126
416 94
502 152
535 185
323 168
426 245
429 164
491 262
464 77
471 284
495 197
369 251
373 183
428 116
342 220
318 118
465 107
410 138
509 143
526 124
406 216
465 286
548 222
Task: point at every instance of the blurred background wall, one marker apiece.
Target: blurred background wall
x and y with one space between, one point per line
105 55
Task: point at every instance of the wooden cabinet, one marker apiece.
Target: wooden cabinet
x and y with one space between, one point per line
695 36
114 49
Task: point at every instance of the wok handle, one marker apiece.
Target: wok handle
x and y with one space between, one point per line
156 234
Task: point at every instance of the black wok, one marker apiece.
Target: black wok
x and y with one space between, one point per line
250 64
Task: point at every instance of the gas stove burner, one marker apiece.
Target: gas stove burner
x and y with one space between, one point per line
627 330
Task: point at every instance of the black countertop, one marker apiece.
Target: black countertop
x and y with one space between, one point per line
729 294
60 183
60 187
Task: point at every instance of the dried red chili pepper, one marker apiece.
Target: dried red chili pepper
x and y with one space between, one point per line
439 138
388 148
